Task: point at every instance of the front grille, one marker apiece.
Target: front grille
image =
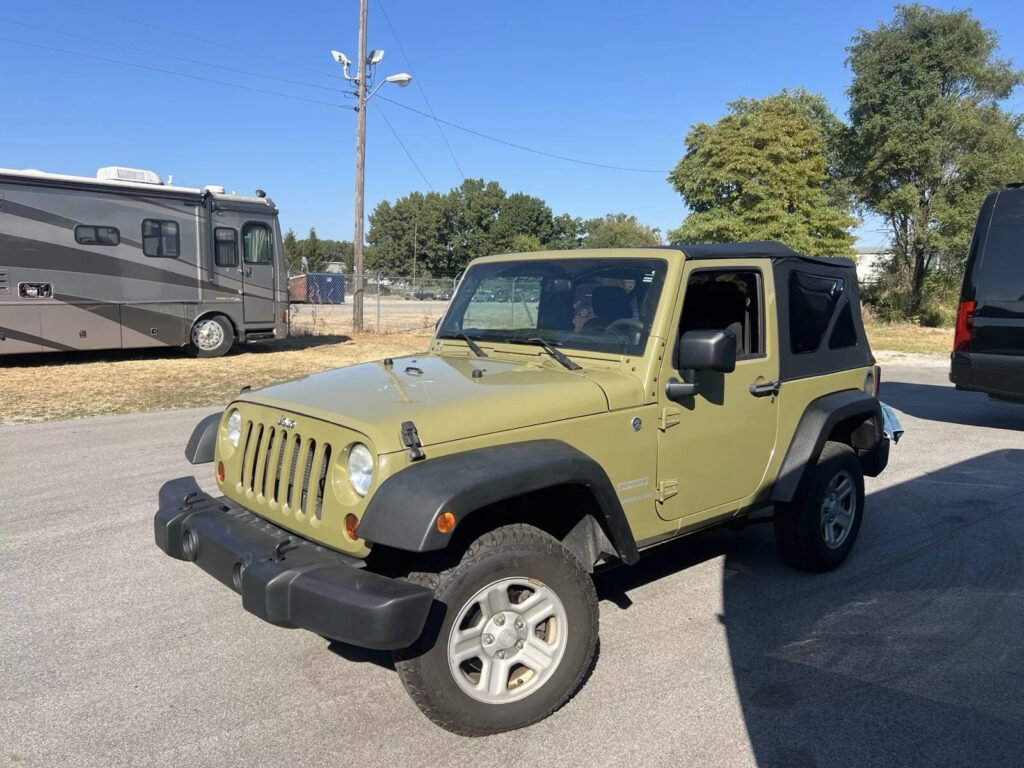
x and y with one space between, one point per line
280 466
4 285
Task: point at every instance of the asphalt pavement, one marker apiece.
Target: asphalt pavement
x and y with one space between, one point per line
712 651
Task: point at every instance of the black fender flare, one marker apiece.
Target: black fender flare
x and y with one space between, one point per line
403 512
203 442
818 421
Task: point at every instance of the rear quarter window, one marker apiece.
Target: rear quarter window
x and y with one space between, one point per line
1001 271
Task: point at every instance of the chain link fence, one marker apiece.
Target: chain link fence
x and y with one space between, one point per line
321 303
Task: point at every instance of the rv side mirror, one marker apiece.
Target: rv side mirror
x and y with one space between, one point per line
707 351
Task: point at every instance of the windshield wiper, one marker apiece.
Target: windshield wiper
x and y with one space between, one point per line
469 340
550 350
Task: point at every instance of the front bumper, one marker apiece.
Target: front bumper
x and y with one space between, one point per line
284 579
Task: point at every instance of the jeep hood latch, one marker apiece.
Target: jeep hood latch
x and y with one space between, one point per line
411 440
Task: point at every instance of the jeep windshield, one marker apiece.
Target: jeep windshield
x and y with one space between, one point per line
600 305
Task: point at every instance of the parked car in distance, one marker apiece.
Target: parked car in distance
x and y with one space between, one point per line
420 295
988 344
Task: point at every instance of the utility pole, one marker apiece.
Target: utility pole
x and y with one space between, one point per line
357 234
364 72
414 223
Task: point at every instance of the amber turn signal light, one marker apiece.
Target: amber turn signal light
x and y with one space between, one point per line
445 522
351 523
220 471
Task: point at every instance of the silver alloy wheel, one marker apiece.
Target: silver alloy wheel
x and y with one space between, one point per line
507 640
837 509
207 334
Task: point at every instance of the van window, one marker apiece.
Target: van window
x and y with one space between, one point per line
160 238
812 302
225 252
1002 263
90 234
256 244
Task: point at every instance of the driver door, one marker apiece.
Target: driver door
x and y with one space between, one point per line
714 447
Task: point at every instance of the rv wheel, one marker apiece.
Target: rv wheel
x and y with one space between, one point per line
211 337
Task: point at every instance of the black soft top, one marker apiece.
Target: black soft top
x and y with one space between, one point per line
796 292
761 249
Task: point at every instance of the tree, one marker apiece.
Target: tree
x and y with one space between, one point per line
618 230
311 249
292 253
928 138
768 170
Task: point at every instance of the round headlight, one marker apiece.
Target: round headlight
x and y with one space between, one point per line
235 427
360 468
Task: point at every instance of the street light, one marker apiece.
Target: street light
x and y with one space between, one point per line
362 78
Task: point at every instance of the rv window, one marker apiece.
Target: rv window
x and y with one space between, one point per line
160 238
225 247
812 302
88 234
256 244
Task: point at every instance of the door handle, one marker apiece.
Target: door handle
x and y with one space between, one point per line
766 388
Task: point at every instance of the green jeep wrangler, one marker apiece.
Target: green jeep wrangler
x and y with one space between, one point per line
451 506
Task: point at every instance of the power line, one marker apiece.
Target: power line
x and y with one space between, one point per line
520 146
330 88
404 148
171 72
419 85
293 97
218 43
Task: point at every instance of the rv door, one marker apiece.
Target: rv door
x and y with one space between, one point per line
258 260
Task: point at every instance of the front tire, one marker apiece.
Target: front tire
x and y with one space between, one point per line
516 634
816 532
211 337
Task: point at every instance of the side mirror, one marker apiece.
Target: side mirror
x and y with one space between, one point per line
701 351
707 351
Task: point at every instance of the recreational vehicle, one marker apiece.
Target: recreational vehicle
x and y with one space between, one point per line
125 261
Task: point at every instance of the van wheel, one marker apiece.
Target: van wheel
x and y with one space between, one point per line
816 532
513 634
211 337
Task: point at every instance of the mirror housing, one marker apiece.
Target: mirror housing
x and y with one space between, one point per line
707 351
701 351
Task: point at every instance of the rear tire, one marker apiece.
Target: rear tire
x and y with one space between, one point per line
817 531
514 634
211 336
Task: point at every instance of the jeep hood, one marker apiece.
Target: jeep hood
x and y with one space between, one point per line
440 394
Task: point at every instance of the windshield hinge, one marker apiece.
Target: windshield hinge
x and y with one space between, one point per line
669 417
411 440
667 489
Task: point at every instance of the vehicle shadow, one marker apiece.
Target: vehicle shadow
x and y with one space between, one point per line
945 403
47 359
912 653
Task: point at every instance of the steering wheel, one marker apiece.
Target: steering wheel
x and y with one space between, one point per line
628 328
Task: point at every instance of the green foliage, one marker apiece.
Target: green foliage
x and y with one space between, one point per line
478 218
618 230
769 170
318 252
927 141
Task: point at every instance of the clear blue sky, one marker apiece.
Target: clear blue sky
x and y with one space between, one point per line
615 83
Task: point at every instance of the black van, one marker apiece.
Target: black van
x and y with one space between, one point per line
988 346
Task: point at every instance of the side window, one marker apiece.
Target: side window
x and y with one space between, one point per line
160 238
726 300
90 234
225 247
812 302
256 248
844 334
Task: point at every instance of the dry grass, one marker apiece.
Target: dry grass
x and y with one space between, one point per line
58 386
64 386
907 337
